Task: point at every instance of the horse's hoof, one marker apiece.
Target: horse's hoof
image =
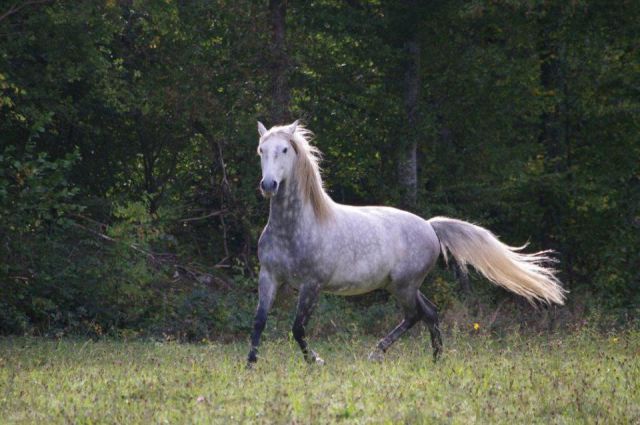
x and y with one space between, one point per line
313 357
437 353
376 356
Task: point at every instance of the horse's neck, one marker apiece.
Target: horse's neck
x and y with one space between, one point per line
288 211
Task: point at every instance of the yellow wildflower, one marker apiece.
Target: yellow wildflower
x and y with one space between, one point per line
476 326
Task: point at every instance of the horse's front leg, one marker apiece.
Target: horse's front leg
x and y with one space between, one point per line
307 300
267 288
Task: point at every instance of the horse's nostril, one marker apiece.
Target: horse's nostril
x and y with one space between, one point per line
269 185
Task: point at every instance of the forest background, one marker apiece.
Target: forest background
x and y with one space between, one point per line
129 200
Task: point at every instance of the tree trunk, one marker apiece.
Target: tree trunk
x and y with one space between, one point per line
551 79
554 137
407 163
279 64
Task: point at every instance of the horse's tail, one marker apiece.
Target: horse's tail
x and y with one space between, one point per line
523 274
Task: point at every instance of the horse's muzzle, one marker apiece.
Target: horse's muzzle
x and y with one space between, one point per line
268 187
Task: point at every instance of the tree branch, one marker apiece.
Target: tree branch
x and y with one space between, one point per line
212 214
158 258
13 9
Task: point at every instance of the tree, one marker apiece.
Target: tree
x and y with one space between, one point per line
408 164
279 63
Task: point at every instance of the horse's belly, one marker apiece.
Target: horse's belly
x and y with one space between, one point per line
354 280
354 288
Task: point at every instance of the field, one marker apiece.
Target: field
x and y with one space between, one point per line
583 377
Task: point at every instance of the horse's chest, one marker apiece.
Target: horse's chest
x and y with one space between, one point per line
291 259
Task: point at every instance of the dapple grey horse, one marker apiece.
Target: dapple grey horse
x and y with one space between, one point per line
315 244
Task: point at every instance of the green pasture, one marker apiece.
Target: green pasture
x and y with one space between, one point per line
584 377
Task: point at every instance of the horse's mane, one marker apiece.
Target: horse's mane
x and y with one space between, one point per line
307 171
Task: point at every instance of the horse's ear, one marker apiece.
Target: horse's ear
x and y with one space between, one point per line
292 128
261 129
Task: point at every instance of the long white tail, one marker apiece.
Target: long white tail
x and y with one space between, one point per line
523 274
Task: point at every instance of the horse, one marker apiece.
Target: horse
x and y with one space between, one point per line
317 245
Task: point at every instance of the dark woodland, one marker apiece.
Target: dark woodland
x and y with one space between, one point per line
129 201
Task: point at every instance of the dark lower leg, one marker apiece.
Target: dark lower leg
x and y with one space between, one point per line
430 316
266 292
393 336
299 335
306 303
258 326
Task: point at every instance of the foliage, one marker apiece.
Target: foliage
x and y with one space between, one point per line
128 187
35 199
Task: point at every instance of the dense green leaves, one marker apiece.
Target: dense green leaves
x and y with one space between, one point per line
128 143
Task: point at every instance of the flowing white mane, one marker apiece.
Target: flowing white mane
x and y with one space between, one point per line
307 170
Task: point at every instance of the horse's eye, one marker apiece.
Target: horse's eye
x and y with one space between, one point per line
260 151
285 150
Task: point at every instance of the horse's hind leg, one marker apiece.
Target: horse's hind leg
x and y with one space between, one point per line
412 314
430 316
386 342
306 302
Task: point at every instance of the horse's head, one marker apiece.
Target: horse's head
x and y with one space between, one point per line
277 156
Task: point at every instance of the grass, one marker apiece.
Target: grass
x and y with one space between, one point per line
583 377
